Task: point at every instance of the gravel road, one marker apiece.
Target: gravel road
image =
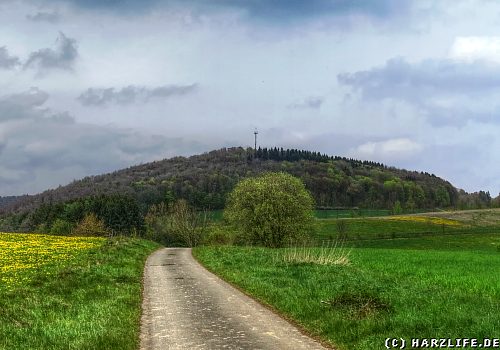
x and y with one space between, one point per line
187 307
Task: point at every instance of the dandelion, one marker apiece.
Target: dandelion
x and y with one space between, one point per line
23 254
427 219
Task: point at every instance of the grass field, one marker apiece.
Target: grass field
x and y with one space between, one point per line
346 213
403 226
70 292
216 215
426 286
478 217
378 224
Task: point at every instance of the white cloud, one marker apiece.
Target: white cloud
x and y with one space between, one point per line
40 148
391 149
476 48
274 73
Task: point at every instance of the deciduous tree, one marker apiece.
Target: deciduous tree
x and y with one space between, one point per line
270 209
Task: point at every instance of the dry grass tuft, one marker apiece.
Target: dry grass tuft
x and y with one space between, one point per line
330 253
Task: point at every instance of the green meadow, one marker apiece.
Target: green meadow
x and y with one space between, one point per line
58 293
356 282
400 278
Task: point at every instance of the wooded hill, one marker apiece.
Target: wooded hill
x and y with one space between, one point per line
205 180
5 201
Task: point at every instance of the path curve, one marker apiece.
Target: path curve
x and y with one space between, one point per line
187 307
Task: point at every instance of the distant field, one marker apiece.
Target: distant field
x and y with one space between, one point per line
423 284
479 217
70 292
347 213
402 226
484 242
216 215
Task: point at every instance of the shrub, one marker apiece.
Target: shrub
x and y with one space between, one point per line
188 224
42 228
61 227
120 213
397 209
178 224
218 234
158 225
271 209
90 226
342 229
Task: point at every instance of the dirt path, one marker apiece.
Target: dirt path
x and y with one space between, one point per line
187 307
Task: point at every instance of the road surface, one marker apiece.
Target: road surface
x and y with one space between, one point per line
187 307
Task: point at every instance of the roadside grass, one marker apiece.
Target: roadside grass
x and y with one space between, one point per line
90 299
383 293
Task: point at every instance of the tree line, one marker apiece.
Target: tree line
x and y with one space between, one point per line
118 214
294 155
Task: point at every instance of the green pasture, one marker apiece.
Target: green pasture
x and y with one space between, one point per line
389 227
90 300
393 278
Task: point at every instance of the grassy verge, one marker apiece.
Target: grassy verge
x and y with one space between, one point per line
407 289
88 299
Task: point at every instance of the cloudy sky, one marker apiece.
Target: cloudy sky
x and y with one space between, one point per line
91 86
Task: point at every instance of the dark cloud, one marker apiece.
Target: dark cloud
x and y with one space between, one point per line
457 115
63 57
276 10
115 5
25 105
131 94
43 148
7 61
403 80
445 91
51 17
313 102
291 9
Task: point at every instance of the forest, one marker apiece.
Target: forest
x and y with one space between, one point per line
205 180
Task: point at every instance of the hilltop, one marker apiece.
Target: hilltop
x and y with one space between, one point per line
204 180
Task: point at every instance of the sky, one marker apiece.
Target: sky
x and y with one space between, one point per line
92 86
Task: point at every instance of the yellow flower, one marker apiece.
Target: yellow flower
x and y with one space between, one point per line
427 219
23 254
